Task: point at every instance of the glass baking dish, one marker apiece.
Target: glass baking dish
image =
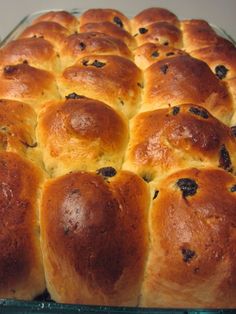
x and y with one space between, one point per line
49 307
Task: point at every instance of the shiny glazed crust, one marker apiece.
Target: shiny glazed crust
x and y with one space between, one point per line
118 161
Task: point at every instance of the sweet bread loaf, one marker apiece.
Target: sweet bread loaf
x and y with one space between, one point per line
118 161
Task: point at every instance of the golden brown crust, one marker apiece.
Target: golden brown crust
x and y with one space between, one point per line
27 84
149 53
105 15
17 124
165 140
153 15
79 45
100 230
220 58
113 79
199 34
112 30
81 134
63 18
160 32
38 52
193 244
183 79
21 270
51 31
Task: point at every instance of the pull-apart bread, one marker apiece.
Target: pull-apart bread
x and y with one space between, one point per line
118 161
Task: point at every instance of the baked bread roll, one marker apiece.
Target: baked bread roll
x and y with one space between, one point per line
37 52
111 29
191 261
80 45
63 18
95 237
199 34
105 15
21 268
149 53
165 140
153 15
220 58
161 32
27 84
183 79
113 79
51 31
81 134
118 161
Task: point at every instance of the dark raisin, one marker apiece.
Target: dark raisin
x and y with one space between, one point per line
45 296
98 64
143 30
107 171
175 110
187 254
121 101
187 186
221 71
10 69
74 96
155 54
147 177
233 130
30 145
155 194
225 161
164 68
118 21
199 112
166 43
85 62
233 188
170 54
140 85
82 46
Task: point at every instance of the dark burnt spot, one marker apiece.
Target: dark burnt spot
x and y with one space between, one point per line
74 96
233 130
25 62
29 145
196 270
164 68
175 110
168 54
233 188
140 85
98 64
10 69
135 35
44 297
155 54
143 30
187 186
121 101
225 160
221 71
147 177
107 172
118 21
187 254
155 194
201 112
166 43
82 46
